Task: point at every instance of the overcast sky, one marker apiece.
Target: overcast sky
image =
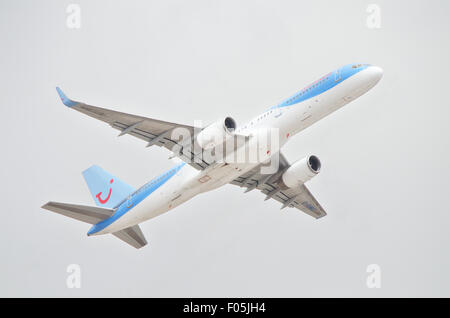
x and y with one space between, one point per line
385 157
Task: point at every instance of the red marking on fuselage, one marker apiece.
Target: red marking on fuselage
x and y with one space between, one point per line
98 195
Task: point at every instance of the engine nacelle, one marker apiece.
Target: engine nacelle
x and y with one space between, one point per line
301 171
216 133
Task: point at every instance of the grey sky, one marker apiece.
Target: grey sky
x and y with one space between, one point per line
385 156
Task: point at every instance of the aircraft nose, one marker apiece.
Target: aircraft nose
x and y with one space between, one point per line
376 73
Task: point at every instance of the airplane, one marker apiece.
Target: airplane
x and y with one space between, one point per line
120 207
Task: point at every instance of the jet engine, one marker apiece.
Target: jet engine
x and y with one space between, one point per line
301 171
216 133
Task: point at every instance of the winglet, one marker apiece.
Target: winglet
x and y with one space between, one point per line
66 101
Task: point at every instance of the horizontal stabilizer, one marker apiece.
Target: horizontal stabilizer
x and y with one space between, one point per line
132 235
88 214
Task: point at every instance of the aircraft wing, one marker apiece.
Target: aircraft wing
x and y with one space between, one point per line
269 185
153 131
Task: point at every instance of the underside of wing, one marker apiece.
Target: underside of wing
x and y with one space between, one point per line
270 185
174 137
301 199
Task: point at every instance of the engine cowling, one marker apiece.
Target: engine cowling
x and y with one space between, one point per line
216 133
301 171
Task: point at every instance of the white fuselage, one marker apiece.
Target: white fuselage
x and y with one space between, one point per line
289 120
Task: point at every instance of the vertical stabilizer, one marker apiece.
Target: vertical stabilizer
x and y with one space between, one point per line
106 190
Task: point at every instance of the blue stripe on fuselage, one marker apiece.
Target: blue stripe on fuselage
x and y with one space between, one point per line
135 198
323 84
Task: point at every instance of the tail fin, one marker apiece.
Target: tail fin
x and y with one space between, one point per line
106 190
